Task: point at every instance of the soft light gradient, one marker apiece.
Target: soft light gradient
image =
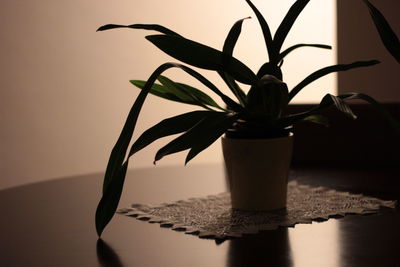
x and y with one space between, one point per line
323 241
65 91
359 40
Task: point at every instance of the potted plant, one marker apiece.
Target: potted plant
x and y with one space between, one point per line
254 123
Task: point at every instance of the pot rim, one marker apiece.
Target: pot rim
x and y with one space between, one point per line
258 139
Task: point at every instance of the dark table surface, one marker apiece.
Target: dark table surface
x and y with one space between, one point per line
52 224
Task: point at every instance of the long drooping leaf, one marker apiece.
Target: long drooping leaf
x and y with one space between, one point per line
290 49
116 169
266 32
153 27
115 172
388 36
287 23
170 126
118 153
110 199
207 127
327 70
202 56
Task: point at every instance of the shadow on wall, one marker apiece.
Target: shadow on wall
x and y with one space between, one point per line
358 39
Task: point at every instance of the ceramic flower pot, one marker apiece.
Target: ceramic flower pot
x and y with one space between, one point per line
257 171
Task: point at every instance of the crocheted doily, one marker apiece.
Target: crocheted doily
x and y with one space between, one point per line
213 217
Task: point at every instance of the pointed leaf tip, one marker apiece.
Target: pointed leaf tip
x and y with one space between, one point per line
102 28
287 23
109 27
266 32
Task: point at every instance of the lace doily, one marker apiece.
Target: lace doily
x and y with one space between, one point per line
213 217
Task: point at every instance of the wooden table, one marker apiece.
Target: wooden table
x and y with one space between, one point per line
52 224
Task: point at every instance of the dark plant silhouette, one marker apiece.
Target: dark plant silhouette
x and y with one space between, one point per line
252 114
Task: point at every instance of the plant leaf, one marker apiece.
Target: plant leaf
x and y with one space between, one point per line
213 133
198 94
207 127
339 104
290 49
202 56
318 119
272 52
189 93
233 36
110 199
158 90
287 23
227 100
115 173
153 27
388 36
179 92
171 86
116 169
229 45
327 70
328 101
268 97
170 126
270 69
235 88
290 120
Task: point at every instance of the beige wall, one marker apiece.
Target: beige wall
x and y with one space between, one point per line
358 40
65 90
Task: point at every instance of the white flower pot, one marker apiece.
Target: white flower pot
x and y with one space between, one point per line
257 171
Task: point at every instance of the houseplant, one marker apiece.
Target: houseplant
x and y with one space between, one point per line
257 113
